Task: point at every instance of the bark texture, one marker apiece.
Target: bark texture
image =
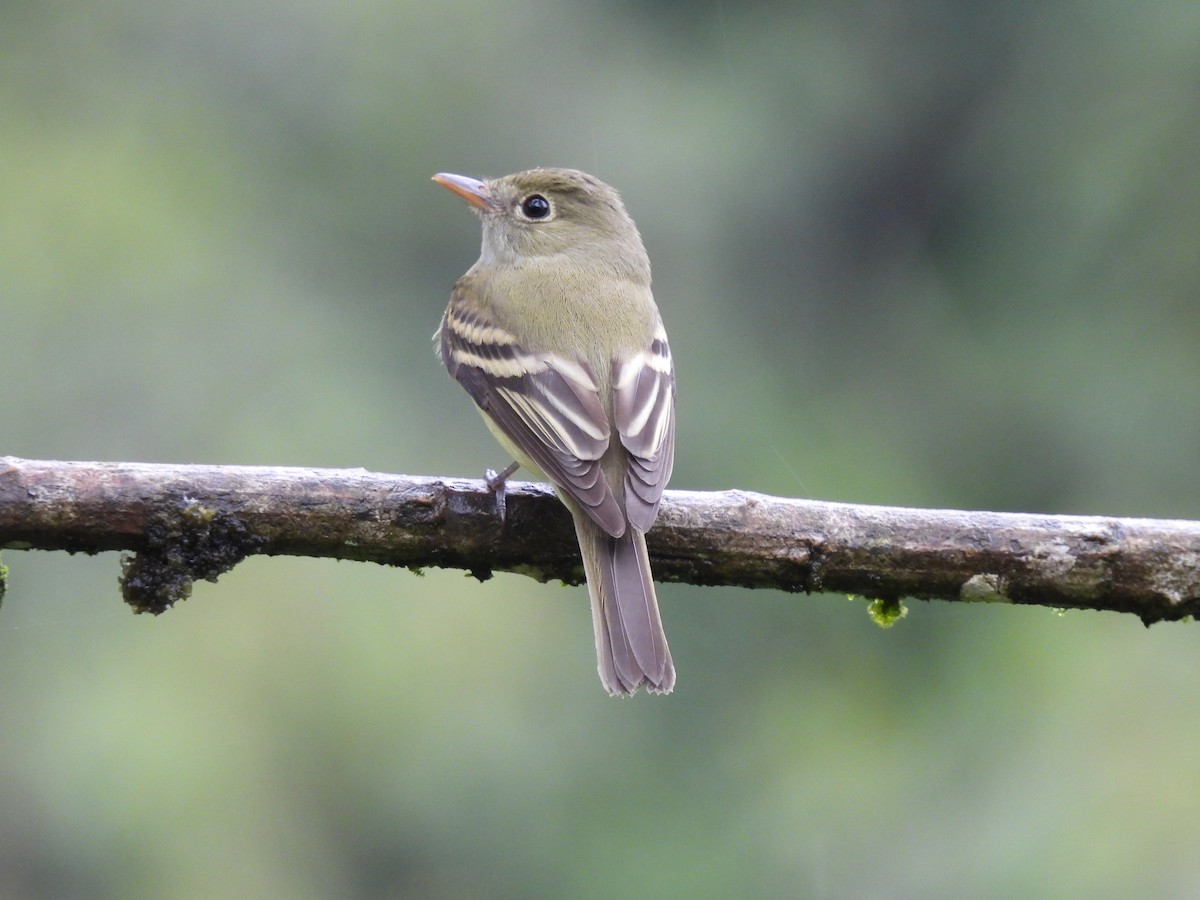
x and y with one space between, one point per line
188 522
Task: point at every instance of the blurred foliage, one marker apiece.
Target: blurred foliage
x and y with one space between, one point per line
925 253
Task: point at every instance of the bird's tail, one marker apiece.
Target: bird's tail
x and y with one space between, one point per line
631 648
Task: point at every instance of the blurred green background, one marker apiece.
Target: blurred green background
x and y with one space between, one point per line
920 253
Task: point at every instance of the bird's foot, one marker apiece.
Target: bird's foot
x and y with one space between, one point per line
497 481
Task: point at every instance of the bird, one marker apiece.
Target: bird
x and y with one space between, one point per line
554 333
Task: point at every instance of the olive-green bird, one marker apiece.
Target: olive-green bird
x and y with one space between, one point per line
555 335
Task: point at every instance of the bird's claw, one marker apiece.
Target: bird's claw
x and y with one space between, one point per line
497 481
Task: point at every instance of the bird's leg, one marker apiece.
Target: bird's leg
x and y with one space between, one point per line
497 481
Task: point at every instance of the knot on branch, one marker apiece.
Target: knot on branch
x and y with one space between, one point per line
183 543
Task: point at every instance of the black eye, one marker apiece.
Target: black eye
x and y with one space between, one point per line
535 206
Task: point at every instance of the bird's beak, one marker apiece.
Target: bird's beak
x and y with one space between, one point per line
472 190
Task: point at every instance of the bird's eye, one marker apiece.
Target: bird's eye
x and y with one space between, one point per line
535 206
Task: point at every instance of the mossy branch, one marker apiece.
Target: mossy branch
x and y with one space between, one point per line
187 522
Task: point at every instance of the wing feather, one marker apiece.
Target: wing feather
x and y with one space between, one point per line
548 406
644 409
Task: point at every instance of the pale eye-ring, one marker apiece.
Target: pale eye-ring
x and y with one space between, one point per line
535 206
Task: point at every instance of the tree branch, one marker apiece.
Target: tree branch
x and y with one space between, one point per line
189 522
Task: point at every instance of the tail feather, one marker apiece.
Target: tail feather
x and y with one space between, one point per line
631 648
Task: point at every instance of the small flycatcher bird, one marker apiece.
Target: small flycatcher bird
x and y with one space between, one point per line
555 335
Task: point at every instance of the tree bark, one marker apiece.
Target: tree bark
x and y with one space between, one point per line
187 522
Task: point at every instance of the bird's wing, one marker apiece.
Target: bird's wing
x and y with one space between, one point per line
644 410
547 405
